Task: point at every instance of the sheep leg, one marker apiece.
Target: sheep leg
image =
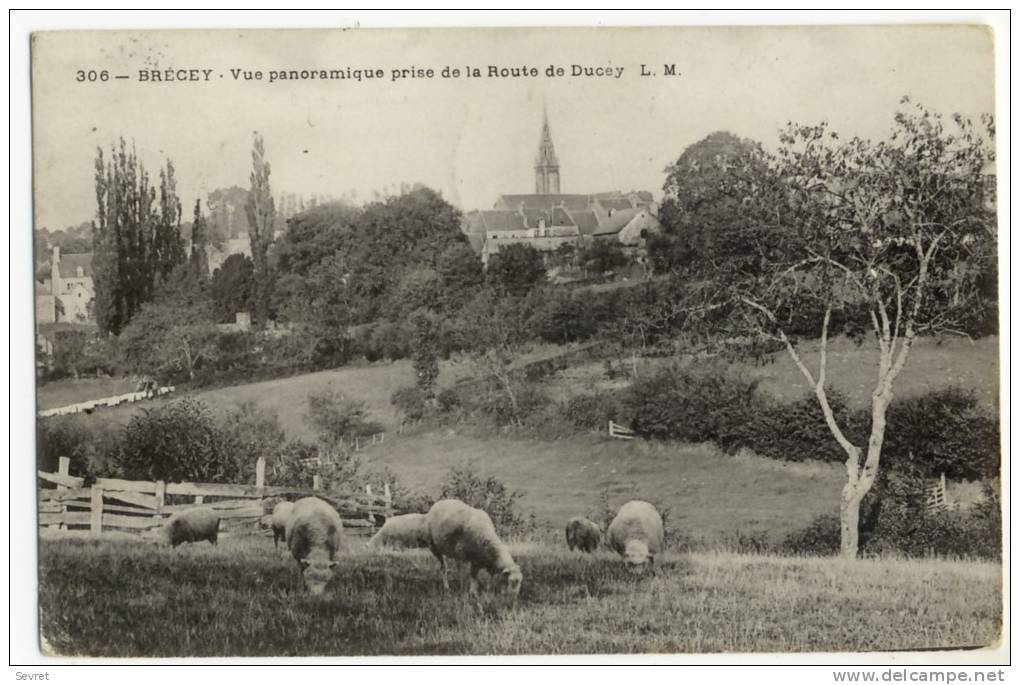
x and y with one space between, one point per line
446 579
473 588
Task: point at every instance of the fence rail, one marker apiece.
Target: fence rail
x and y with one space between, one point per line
621 432
115 503
935 496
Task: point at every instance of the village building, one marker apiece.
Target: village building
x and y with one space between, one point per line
66 296
549 218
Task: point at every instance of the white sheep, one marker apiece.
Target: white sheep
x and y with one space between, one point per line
192 525
281 514
407 531
583 534
636 534
314 535
461 532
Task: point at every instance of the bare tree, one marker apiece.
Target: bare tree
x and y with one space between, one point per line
866 239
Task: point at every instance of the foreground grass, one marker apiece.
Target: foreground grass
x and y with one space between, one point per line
122 599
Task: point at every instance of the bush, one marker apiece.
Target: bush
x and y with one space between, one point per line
820 538
530 401
411 402
179 442
591 412
448 399
336 418
944 431
299 462
795 431
90 446
901 524
491 496
252 432
680 404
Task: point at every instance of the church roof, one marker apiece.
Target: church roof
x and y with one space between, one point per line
616 203
501 220
543 201
586 220
560 217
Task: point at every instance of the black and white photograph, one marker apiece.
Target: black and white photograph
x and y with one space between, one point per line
517 341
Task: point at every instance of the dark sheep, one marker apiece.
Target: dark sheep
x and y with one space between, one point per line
192 525
583 534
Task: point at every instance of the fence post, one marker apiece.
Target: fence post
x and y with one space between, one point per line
160 498
368 491
389 499
96 517
199 499
64 469
316 482
260 476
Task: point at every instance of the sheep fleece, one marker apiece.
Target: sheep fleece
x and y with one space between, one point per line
465 533
314 530
583 534
636 520
192 525
407 530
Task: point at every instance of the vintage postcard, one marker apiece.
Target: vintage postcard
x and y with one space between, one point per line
517 341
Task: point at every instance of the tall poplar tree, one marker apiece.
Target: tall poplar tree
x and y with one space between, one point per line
199 257
261 216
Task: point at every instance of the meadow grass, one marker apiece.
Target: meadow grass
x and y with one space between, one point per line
707 494
114 598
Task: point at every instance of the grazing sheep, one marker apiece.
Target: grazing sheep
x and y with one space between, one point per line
583 534
281 513
314 534
192 525
408 531
636 534
465 533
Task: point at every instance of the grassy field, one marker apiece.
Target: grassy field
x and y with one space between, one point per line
709 496
121 599
851 369
71 391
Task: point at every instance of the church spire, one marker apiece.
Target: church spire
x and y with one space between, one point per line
547 167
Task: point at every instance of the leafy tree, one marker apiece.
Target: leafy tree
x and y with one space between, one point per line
314 235
261 213
419 288
232 288
133 244
407 230
603 256
167 245
174 334
870 235
426 351
515 269
704 212
462 274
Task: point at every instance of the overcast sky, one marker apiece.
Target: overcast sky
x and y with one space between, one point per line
471 138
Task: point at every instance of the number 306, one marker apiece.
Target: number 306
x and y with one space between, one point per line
91 75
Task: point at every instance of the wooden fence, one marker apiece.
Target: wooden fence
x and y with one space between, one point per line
935 496
116 504
618 431
355 443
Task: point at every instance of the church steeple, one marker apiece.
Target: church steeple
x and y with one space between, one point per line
547 167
